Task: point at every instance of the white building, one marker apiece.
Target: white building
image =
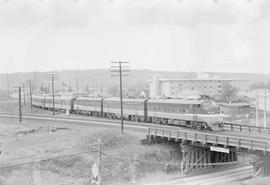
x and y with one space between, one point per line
185 87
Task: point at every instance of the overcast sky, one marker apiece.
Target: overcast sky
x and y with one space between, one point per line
184 35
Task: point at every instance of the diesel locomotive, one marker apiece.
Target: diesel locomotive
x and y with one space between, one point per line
197 114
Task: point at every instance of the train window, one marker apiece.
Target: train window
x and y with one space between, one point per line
199 105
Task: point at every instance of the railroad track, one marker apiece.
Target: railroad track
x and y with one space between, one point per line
228 128
223 175
88 121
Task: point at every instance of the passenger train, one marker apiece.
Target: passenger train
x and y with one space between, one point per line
197 114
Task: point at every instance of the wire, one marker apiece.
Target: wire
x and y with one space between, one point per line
48 158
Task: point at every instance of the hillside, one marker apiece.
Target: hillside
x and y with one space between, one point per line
101 78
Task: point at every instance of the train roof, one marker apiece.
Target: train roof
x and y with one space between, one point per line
60 97
177 101
234 104
126 99
88 98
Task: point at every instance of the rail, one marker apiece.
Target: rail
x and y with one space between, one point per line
227 126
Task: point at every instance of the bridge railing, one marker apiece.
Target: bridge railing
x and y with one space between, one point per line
248 128
210 138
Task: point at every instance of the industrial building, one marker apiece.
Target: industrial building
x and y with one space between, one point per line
261 98
190 87
235 110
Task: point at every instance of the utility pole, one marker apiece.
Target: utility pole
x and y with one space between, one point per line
20 101
265 108
23 93
20 105
53 77
93 88
35 82
7 85
30 93
77 87
119 68
257 108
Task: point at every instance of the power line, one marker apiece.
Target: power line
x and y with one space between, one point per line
119 68
48 158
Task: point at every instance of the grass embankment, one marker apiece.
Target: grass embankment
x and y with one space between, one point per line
124 161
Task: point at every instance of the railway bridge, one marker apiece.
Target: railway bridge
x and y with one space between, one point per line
203 148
